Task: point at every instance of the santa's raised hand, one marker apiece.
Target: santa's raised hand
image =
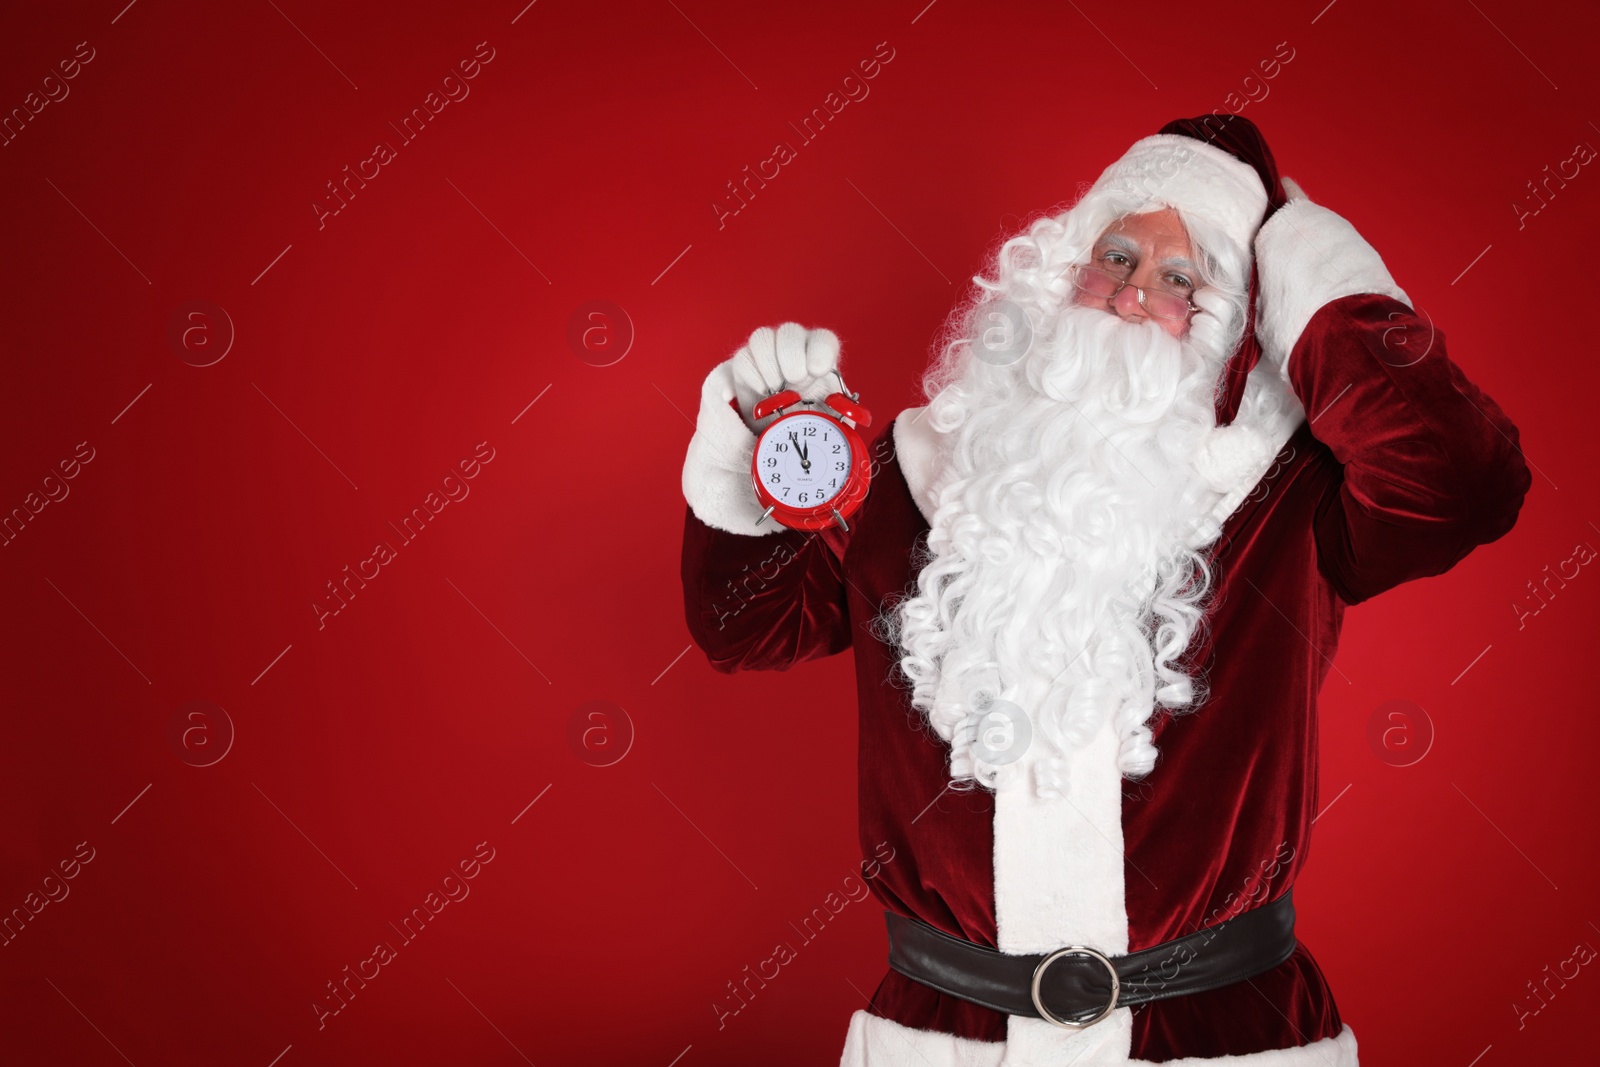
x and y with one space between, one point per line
1308 256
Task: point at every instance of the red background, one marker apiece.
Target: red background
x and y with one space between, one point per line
373 354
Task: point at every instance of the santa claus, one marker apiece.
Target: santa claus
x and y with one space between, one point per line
1092 594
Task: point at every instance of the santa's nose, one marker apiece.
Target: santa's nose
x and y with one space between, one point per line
1126 303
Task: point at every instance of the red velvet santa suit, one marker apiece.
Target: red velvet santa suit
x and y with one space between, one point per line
1402 469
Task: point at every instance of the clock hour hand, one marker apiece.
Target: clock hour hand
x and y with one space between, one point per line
800 450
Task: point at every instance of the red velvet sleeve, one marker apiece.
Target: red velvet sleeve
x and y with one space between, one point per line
1432 466
764 603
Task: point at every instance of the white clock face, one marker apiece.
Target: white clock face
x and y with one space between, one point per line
803 461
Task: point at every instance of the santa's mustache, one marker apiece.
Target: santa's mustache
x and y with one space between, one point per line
1133 369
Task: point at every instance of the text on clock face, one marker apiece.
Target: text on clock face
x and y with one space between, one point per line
803 462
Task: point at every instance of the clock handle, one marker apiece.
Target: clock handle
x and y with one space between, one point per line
849 409
775 402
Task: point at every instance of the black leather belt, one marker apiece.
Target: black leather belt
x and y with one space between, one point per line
1077 986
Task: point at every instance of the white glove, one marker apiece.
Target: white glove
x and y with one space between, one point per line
1308 256
716 471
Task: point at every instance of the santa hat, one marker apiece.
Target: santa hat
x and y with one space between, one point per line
1219 168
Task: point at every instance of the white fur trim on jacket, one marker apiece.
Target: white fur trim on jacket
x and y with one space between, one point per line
1058 880
873 1041
921 452
1307 256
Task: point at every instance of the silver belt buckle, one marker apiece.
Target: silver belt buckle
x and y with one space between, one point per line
1075 950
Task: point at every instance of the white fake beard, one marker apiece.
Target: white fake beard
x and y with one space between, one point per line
1062 570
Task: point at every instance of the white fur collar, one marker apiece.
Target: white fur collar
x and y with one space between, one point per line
922 453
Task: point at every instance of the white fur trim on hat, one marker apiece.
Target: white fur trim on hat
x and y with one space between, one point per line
1189 174
1307 256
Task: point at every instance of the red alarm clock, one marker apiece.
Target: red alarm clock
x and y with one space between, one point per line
810 466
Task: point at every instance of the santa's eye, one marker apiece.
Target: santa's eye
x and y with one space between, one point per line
1180 281
1117 260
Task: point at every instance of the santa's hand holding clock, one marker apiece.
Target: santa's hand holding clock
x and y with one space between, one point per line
716 472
